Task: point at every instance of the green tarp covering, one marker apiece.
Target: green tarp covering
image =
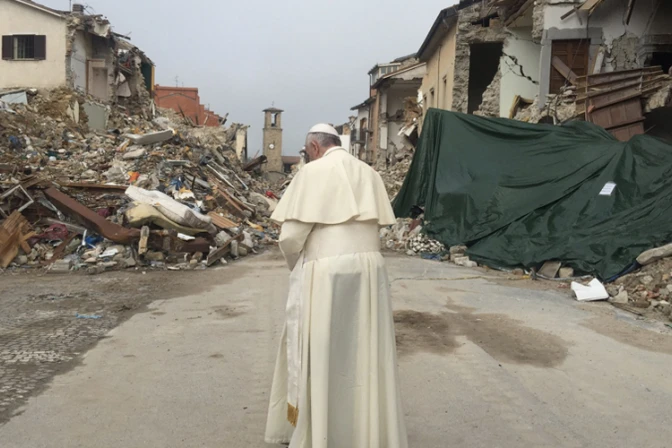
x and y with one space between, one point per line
520 194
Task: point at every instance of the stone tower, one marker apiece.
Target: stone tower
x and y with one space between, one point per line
273 139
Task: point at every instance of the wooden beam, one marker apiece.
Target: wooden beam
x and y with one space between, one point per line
564 70
217 254
590 5
523 9
628 12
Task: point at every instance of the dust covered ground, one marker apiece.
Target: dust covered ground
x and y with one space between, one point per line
484 360
41 335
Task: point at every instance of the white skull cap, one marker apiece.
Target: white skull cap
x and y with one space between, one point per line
323 129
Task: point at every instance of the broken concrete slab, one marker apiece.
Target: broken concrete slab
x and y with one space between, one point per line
134 153
550 269
60 267
98 115
621 297
653 255
152 138
566 273
14 97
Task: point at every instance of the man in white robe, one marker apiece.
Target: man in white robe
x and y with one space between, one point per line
336 382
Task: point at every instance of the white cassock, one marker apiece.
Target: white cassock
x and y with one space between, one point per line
336 382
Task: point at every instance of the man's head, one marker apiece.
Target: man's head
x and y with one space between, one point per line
320 139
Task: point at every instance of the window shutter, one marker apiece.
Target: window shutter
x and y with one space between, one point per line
41 47
7 47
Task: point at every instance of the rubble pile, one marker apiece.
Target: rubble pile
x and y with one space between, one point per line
156 193
394 176
648 289
406 236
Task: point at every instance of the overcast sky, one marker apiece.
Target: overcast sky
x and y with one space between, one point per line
309 57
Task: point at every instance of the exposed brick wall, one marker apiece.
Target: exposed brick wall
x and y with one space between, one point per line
187 99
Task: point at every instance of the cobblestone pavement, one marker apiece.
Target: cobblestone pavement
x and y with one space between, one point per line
41 334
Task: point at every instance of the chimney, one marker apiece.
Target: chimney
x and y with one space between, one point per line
78 8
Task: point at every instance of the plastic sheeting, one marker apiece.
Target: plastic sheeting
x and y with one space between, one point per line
520 194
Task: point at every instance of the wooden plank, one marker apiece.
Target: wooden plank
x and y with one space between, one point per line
643 81
24 242
564 70
607 83
60 250
523 9
598 61
222 222
9 249
144 237
597 76
627 123
217 254
590 5
626 86
628 11
90 186
608 101
623 119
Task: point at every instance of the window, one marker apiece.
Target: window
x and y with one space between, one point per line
24 47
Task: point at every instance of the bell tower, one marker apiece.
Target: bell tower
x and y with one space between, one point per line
273 139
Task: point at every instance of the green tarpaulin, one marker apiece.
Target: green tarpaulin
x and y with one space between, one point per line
520 194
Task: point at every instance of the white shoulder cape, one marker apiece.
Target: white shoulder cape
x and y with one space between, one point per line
335 189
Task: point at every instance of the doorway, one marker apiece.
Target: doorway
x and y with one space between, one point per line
483 66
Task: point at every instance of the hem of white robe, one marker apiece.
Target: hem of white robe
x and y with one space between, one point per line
277 441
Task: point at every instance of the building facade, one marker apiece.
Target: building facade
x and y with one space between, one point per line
45 48
484 57
187 102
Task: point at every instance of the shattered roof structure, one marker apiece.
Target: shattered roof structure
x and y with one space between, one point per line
363 104
404 73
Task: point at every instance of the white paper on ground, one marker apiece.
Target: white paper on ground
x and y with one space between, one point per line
594 291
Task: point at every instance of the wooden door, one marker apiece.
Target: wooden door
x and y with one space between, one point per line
575 54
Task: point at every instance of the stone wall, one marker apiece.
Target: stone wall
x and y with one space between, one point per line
468 34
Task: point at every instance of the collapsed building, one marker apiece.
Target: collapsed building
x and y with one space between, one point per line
551 61
74 50
377 135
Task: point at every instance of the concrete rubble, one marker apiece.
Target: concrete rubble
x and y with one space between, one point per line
142 193
649 290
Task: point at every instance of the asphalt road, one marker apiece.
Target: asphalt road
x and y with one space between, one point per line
484 362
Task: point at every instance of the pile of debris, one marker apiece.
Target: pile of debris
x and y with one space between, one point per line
394 175
595 97
650 288
156 193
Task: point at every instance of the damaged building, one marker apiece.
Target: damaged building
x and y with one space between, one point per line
377 135
605 61
72 50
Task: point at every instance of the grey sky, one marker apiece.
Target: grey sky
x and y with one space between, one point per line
309 57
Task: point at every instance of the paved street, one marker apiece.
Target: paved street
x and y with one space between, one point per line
484 362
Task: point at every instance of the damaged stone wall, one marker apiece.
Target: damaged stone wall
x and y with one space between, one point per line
491 98
538 20
468 34
623 52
